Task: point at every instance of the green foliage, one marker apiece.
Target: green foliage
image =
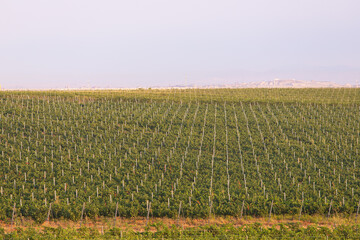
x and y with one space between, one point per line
228 152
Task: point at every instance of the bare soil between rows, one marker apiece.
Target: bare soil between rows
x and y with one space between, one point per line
140 224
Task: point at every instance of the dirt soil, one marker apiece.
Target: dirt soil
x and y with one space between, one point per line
139 224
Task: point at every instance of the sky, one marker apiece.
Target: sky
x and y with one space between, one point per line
149 43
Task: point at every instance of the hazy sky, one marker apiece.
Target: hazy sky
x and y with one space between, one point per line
133 43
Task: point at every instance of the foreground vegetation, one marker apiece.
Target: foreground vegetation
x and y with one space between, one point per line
179 153
253 231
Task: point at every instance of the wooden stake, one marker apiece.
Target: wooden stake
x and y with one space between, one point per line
329 209
272 202
242 209
116 212
13 215
302 202
357 212
148 213
82 214
48 215
178 214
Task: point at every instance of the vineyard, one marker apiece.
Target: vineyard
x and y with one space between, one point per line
179 153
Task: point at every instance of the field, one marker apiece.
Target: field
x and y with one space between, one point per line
190 153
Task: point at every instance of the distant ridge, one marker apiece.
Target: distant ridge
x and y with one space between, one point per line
278 83
292 83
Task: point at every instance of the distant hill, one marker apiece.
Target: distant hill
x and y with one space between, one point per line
277 83
292 84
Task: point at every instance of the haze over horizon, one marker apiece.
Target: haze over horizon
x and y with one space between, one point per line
54 44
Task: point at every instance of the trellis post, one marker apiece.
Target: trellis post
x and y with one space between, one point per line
13 215
48 215
116 213
82 214
302 202
271 207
